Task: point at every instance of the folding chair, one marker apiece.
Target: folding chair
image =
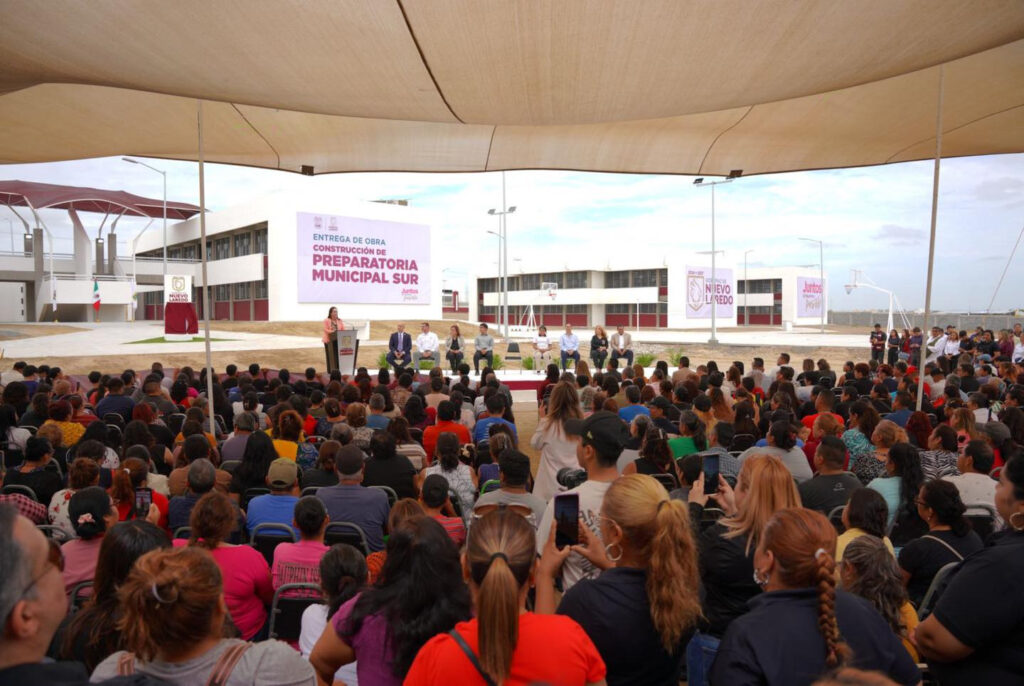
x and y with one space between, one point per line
982 517
114 434
417 435
938 585
286 610
174 422
230 466
32 429
184 532
251 493
266 537
836 517
667 480
513 353
113 419
392 495
310 490
79 595
456 503
55 532
20 488
489 486
346 532
742 442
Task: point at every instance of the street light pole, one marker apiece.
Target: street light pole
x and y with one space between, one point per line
746 289
503 256
714 299
821 275
164 174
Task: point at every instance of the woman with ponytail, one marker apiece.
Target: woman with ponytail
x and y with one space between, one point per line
125 480
342 575
172 624
418 594
801 626
91 515
641 612
505 644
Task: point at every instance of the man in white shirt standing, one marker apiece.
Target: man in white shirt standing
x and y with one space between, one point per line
935 346
426 347
569 343
622 345
541 348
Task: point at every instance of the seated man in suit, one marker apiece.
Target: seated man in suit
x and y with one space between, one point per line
622 346
399 350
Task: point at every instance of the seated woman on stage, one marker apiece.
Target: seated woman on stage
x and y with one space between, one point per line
455 345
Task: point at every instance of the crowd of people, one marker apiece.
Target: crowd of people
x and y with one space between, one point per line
772 526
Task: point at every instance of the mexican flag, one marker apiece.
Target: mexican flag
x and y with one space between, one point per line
96 295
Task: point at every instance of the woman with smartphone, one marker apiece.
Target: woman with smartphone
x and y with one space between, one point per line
763 487
643 609
132 497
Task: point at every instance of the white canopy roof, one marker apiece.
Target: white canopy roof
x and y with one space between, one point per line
663 86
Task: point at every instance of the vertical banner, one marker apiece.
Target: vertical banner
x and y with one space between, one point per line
810 297
348 348
356 260
701 292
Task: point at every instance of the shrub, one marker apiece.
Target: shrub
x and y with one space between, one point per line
498 362
528 363
645 359
382 362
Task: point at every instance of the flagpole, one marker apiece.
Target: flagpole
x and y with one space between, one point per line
206 282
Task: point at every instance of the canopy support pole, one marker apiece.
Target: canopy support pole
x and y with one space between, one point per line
931 239
206 281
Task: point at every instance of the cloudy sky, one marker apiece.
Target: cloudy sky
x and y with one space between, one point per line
875 219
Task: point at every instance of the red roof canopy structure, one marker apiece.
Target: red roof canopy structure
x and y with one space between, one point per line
40 196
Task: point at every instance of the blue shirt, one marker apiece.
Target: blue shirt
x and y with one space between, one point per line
367 508
179 509
629 413
121 404
481 430
271 509
569 342
377 422
889 487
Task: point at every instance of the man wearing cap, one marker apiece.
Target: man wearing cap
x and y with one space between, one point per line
278 506
658 409
350 501
602 436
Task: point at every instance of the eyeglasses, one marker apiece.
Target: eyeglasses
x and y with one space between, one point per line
54 557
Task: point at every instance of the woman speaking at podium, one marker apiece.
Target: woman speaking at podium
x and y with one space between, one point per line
330 338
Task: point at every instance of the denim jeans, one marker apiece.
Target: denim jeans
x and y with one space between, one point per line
700 654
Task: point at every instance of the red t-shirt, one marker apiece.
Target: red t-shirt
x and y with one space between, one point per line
431 433
124 510
808 421
552 649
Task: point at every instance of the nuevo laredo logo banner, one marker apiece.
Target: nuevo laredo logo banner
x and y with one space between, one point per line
701 292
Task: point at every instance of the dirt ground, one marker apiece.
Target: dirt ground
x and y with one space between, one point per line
12 332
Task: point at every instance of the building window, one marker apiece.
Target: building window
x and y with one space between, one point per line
222 293
663 278
513 283
242 291
488 309
618 308
575 309
243 244
552 309
260 290
530 282
645 278
190 251
221 249
757 286
487 285
558 277
648 308
616 280
261 241
576 279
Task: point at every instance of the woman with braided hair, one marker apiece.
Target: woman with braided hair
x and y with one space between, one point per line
505 644
801 626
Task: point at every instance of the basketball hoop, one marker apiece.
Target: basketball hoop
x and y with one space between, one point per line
550 289
552 293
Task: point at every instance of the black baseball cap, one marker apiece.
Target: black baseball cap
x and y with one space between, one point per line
603 430
660 402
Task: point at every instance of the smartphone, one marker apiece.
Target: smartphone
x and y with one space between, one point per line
709 464
567 519
143 499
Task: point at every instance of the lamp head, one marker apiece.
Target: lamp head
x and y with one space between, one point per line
490 211
512 209
698 181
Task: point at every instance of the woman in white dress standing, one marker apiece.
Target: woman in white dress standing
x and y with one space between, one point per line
557 450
